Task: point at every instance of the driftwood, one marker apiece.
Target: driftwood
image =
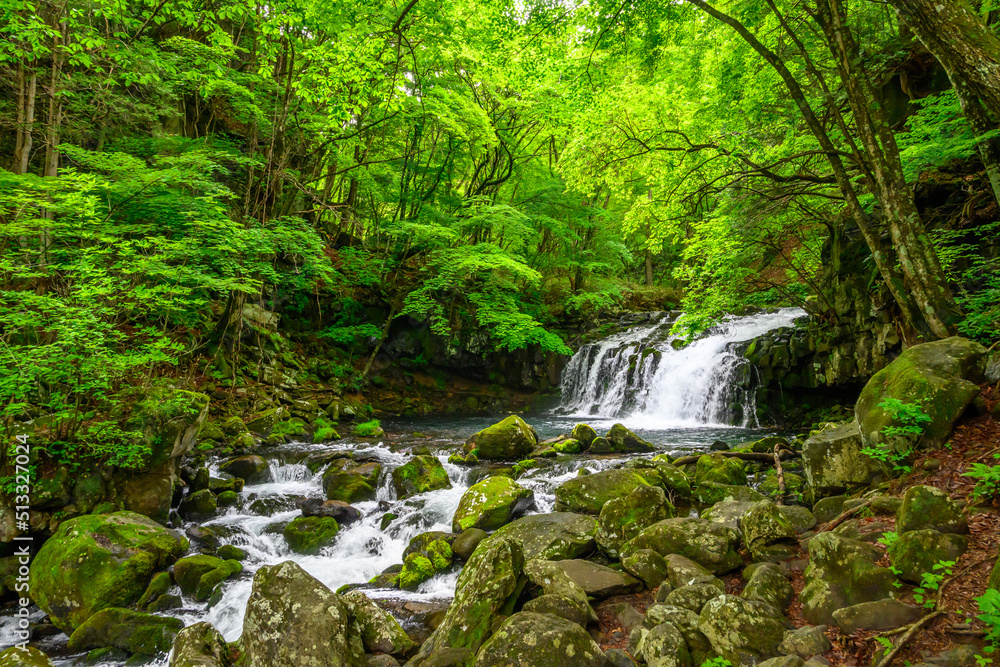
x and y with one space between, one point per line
844 516
781 476
742 456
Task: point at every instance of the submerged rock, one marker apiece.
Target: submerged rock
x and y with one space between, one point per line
491 503
128 630
540 640
509 440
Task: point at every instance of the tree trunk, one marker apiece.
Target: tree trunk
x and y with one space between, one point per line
26 92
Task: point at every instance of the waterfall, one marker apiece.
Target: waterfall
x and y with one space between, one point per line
638 376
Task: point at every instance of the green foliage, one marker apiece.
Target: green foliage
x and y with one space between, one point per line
930 583
987 479
911 417
368 429
894 456
716 662
989 608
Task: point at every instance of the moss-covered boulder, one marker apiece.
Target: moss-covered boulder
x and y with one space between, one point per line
561 596
765 582
620 440
488 586
587 494
665 645
491 503
942 377
199 505
709 544
683 572
199 645
509 440
841 572
128 630
27 657
308 534
421 474
598 580
833 460
99 561
189 570
623 518
767 534
210 581
710 493
293 620
795 485
647 566
540 640
720 469
423 559
915 552
674 479
351 481
380 631
252 469
744 632
583 434
262 423
552 536
158 587
929 508
568 446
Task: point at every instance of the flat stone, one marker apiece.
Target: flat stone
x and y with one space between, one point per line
884 614
599 581
805 642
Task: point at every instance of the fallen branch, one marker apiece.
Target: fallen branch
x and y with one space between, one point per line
742 456
781 476
887 659
844 516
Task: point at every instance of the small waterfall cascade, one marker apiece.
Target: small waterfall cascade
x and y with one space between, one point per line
644 377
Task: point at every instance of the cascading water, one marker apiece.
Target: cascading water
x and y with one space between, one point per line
640 378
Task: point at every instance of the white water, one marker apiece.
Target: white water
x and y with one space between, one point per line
621 378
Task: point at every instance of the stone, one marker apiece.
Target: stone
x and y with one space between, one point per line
619 658
829 508
683 571
231 552
589 493
158 586
94 562
783 661
558 606
333 509
28 657
293 620
491 578
917 551
210 581
382 660
568 446
768 584
805 642
350 481
841 572
833 461
708 544
420 474
942 377
263 423
552 536
380 631
665 646
465 544
720 469
509 440
199 505
710 493
199 645
623 518
927 507
628 616
621 440
251 468
423 561
800 518
540 640
491 503
647 566
693 597
164 603
766 532
727 513
561 595
742 631
795 485
189 570
599 581
583 434
128 630
885 614
309 534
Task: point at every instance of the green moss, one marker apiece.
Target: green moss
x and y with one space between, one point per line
325 434
421 474
417 568
157 587
210 580
189 571
309 534
291 427
571 446
368 429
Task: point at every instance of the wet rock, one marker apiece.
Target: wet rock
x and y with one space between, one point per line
189 570
421 474
766 533
509 440
883 614
230 552
425 555
128 630
380 631
708 544
720 469
584 434
805 642
351 481
842 572
917 551
766 583
589 493
623 518
620 440
741 631
218 485
121 551
647 566
293 620
684 620
164 603
252 469
540 640
927 507
308 534
599 581
199 505
333 509
833 460
466 543
199 645
29 657
491 503
553 536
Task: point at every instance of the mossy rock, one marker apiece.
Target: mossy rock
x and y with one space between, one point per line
917 551
589 493
583 434
127 630
711 545
199 505
230 552
540 640
217 485
552 536
710 493
251 468
720 469
623 518
833 460
767 534
98 561
417 568
210 581
421 474
157 588
380 631
350 481
569 446
326 434
189 570
490 504
795 485
744 632
290 428
228 499
508 440
199 645
29 657
620 440
841 573
308 534
265 421
927 507
766 583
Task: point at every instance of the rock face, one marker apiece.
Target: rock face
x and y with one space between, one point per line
741 631
589 493
486 583
927 507
941 376
292 620
540 640
491 503
621 519
421 474
833 460
127 630
553 536
709 544
99 561
841 573
199 645
509 440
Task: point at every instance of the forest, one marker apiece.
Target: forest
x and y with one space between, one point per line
227 225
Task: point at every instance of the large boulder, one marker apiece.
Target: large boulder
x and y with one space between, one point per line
767 533
94 562
540 640
917 551
252 469
351 481
623 518
709 544
884 614
189 570
491 503
583 434
199 645
561 596
665 646
766 583
620 440
588 493
744 632
420 474
942 377
841 572
127 630
720 469
509 440
308 534
490 580
929 508
597 580
27 657
833 460
552 536
293 620
380 631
